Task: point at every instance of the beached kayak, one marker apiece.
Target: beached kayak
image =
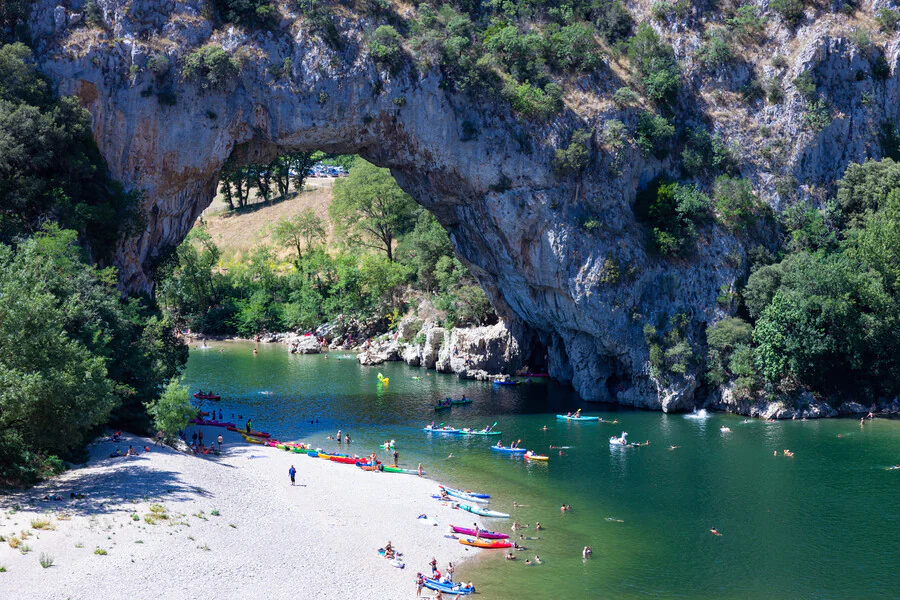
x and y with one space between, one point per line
464 496
485 543
346 460
367 467
426 520
448 587
477 510
253 440
505 450
448 430
488 535
399 470
576 418
261 434
479 432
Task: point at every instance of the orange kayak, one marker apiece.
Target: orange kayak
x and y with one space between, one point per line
485 543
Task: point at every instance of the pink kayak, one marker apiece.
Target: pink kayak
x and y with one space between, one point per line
488 535
211 423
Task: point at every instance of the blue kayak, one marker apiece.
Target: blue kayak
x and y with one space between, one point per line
507 382
509 450
576 418
447 588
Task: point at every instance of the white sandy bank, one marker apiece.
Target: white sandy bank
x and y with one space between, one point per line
316 540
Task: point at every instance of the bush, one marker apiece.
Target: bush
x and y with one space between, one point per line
735 202
790 11
672 211
774 90
211 66
704 152
246 12
531 101
385 47
887 19
818 116
172 410
612 20
625 96
573 48
46 560
655 64
715 51
654 135
574 158
746 23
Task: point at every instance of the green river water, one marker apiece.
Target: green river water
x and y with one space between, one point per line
823 524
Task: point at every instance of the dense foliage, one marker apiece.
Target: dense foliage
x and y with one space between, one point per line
73 355
825 317
388 251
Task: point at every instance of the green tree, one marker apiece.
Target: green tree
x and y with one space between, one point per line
370 209
385 47
172 410
305 227
655 65
211 66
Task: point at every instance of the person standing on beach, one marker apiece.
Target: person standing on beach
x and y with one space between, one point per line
249 425
293 473
220 440
420 583
396 456
200 436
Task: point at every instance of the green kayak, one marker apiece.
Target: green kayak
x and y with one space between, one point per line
479 432
399 470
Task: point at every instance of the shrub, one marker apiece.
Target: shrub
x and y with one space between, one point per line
655 65
746 23
715 51
158 65
246 12
574 158
805 85
211 66
573 48
625 96
40 524
532 101
672 211
774 90
790 11
704 152
818 117
385 48
887 19
654 134
735 201
172 410
612 20
100 551
46 560
779 61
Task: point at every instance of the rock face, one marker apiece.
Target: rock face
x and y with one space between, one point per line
587 292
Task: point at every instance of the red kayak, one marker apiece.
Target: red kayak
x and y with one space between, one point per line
346 460
488 535
207 397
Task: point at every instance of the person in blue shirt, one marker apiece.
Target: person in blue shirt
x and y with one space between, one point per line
293 473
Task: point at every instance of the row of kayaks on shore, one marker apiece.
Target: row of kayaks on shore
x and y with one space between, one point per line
464 431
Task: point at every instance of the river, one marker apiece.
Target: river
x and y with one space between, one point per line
822 524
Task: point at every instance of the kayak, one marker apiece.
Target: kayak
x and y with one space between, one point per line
535 374
312 454
449 430
507 382
506 450
477 510
426 520
488 535
485 543
399 470
367 467
442 406
464 496
253 440
461 401
346 460
230 427
536 457
576 418
207 397
479 432
448 588
211 423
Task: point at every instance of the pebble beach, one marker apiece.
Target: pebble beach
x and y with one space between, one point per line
176 525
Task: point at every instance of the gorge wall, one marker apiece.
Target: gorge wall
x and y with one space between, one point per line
486 174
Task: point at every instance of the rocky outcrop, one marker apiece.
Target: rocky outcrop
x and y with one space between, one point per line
586 291
801 405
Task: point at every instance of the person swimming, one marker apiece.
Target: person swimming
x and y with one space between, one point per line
714 531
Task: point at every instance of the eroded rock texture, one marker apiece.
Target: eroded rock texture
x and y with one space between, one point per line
486 175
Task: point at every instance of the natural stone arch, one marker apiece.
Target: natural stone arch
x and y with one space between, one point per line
487 176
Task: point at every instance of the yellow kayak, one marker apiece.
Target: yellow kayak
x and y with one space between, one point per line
537 457
253 440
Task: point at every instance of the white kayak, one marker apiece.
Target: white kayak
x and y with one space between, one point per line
426 520
477 510
464 496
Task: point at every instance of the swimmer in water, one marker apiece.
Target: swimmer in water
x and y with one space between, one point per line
714 531
544 428
451 456
894 468
672 447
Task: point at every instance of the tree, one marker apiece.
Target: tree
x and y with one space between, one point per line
655 64
172 410
370 209
235 184
211 66
304 227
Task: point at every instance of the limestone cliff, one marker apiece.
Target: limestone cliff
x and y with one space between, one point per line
487 175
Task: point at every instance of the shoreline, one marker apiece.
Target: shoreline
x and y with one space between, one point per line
233 525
